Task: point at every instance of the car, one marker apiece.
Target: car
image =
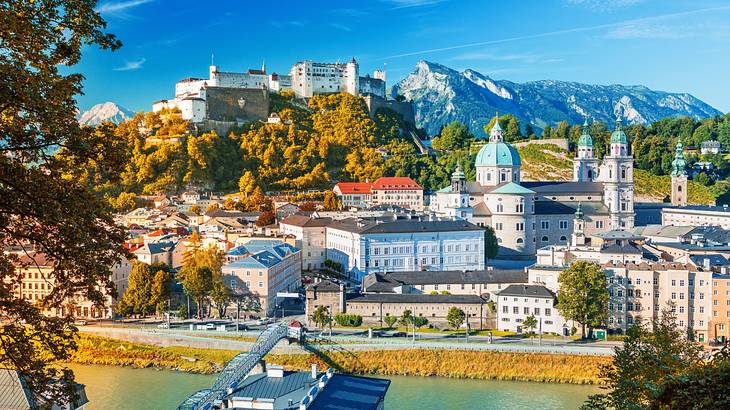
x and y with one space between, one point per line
80 322
210 326
399 334
163 325
241 326
263 321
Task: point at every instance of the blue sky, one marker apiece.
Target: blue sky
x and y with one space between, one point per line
671 45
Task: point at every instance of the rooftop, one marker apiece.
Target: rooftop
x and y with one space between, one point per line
384 226
354 187
396 183
536 291
414 298
378 282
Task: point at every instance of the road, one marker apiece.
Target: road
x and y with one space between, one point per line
350 339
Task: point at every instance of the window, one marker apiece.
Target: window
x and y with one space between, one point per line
547 311
498 226
520 226
563 238
261 284
544 239
545 224
526 310
563 225
599 224
674 295
519 240
519 208
515 310
505 309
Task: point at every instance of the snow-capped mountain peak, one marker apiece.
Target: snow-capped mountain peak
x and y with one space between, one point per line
107 111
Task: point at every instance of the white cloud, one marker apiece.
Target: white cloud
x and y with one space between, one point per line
607 26
131 65
401 4
604 5
648 31
119 7
290 23
339 26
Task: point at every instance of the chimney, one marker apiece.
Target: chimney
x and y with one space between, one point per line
314 371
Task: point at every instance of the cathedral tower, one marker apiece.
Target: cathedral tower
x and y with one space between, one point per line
585 165
679 177
617 174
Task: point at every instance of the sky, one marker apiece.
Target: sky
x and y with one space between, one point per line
669 45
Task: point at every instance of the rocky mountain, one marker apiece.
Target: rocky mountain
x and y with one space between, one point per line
441 95
107 111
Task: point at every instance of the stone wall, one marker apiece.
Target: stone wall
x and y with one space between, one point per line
237 104
403 108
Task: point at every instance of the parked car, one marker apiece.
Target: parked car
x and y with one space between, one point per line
210 326
80 322
264 321
399 334
163 325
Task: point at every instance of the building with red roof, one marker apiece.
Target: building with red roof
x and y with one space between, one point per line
400 191
354 194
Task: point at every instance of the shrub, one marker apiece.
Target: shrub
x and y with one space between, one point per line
348 320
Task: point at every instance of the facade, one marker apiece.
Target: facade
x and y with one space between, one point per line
710 147
365 245
720 321
354 194
264 268
311 238
309 78
518 302
529 215
697 215
398 191
37 282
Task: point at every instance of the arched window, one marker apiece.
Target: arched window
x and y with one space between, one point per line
544 239
519 240
563 238
679 188
623 173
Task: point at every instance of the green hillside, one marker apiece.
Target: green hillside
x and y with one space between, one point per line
547 162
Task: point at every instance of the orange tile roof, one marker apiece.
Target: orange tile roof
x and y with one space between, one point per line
355 187
395 183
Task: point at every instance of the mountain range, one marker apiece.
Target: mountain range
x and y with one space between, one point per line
441 95
107 111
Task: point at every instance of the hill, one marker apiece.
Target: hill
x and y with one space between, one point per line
442 95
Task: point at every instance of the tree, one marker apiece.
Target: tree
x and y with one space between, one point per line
247 183
221 295
195 209
161 289
583 295
658 367
454 136
330 201
390 321
530 323
138 298
321 317
456 317
265 219
308 206
406 318
419 322
43 205
197 282
491 245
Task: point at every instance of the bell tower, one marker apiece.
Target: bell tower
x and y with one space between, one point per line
585 165
679 177
617 175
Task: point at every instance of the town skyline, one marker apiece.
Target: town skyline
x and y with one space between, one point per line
651 41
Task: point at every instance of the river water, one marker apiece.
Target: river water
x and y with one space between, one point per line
123 388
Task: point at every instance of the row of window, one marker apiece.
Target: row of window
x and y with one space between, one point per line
526 310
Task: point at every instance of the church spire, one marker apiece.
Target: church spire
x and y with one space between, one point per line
679 165
495 134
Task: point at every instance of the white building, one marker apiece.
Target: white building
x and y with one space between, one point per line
364 245
528 215
518 302
697 215
309 78
311 236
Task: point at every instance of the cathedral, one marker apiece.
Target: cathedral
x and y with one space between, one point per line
528 215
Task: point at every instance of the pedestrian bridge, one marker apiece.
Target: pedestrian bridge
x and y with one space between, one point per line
236 370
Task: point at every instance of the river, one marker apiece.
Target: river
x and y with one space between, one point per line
123 388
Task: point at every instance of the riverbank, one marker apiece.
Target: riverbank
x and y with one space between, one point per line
463 364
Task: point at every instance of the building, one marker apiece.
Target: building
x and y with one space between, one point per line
528 215
518 302
720 322
398 191
484 283
37 281
264 268
679 177
17 396
222 98
374 307
710 147
354 194
697 215
366 245
309 78
311 237
278 389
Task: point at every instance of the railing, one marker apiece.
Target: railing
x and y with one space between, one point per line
236 370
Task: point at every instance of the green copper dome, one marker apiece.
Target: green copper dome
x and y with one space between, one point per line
458 173
679 165
585 139
618 135
497 154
